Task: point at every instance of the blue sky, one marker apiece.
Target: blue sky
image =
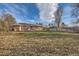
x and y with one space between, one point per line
32 13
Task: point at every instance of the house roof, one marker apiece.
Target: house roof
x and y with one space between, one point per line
25 24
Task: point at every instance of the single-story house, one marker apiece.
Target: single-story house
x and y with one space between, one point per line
62 29
26 27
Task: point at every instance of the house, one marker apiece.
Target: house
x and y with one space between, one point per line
76 29
62 29
25 27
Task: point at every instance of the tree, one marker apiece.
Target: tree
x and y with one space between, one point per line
2 25
75 12
8 20
58 16
50 25
39 23
63 24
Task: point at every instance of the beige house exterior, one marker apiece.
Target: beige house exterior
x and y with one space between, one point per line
26 27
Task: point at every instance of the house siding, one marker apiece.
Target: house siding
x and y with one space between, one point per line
23 28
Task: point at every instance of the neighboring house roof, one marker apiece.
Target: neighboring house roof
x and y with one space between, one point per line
25 24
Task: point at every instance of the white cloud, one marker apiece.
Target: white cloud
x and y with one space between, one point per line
47 10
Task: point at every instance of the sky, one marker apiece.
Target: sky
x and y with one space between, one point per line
40 12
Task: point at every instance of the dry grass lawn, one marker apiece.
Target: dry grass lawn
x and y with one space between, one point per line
39 43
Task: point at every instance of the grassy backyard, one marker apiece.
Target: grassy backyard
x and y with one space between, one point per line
39 43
